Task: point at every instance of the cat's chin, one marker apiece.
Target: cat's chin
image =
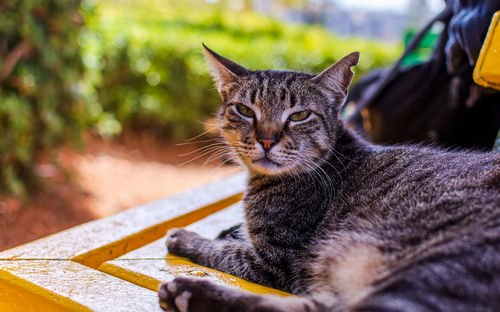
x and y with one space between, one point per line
268 166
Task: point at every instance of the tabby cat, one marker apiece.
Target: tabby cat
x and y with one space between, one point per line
343 224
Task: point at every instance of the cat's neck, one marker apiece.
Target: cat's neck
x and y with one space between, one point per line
349 147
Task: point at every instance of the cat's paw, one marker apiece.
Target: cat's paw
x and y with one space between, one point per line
188 294
171 299
184 294
183 243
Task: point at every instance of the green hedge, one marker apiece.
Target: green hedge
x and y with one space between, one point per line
40 68
146 63
67 65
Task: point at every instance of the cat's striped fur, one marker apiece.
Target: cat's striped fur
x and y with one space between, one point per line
341 223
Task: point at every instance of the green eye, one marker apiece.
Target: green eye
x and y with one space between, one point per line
299 116
245 111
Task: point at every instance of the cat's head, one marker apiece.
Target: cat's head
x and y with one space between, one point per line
280 122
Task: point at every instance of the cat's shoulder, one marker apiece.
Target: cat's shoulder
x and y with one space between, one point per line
420 157
420 150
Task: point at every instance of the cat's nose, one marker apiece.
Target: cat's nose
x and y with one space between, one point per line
267 143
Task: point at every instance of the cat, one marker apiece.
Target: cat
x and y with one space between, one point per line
343 224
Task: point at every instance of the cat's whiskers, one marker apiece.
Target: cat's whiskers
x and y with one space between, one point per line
338 173
210 124
226 161
203 148
334 151
216 155
231 155
222 163
318 170
327 188
330 188
202 134
326 162
206 151
334 154
197 142
318 176
228 150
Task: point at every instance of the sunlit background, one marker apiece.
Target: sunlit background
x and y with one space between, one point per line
99 98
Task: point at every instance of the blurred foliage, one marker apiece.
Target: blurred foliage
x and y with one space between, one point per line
40 68
67 65
145 58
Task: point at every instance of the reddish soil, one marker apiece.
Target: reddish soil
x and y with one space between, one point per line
105 178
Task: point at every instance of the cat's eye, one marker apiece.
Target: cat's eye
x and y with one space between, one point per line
299 116
245 110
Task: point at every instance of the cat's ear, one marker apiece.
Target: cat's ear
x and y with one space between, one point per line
223 70
339 75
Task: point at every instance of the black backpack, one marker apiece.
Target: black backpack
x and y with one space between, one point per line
436 101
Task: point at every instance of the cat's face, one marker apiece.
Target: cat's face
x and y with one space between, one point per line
276 121
279 122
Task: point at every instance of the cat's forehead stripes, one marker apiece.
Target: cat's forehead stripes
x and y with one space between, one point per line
275 91
253 94
291 95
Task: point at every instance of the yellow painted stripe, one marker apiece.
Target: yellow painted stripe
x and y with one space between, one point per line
19 295
96 257
177 266
183 265
130 276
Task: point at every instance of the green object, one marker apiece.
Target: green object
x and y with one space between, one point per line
496 147
424 50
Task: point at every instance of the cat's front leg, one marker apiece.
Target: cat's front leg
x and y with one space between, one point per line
196 295
231 256
187 244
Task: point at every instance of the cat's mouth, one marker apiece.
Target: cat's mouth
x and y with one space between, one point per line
267 163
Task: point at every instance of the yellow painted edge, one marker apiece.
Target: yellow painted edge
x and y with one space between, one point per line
484 51
94 258
153 283
131 276
230 279
34 298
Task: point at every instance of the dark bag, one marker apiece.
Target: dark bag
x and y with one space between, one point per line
424 102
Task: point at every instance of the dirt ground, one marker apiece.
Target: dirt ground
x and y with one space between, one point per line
105 178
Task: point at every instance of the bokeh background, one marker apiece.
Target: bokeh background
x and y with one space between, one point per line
100 100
